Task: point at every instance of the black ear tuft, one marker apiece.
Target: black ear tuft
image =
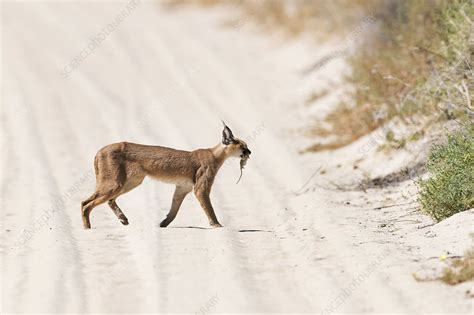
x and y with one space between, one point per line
227 136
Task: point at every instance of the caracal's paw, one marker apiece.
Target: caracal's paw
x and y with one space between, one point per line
123 220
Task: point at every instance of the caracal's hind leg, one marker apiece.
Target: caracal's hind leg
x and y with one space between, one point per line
129 184
111 177
118 212
85 219
178 197
100 197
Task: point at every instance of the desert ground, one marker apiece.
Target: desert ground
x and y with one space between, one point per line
294 239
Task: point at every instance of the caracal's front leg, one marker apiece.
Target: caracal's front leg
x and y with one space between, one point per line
205 201
178 197
206 205
202 188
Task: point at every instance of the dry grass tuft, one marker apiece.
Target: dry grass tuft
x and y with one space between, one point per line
461 270
294 17
418 64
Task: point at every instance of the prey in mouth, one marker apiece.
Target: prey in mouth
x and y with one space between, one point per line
238 146
243 161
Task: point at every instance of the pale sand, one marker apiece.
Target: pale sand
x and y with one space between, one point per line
167 78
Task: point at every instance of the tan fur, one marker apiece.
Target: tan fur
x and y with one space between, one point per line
120 167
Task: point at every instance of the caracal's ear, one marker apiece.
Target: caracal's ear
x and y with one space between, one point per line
227 136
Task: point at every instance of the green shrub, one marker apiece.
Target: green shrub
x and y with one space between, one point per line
450 188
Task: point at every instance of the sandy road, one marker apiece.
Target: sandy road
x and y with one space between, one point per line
168 78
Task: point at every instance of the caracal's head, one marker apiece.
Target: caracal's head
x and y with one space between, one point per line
234 147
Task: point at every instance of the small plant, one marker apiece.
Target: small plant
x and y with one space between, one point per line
392 142
450 189
461 269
